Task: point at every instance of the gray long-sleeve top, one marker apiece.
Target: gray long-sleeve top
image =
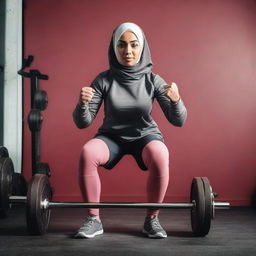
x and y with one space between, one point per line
127 108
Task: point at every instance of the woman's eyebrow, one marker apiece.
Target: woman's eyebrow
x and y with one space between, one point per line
130 41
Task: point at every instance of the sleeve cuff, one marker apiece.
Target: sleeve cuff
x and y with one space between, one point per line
83 107
175 103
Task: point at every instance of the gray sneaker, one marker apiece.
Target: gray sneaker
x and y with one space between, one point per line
153 229
90 228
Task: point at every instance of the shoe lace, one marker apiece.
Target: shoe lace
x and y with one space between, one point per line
155 223
88 223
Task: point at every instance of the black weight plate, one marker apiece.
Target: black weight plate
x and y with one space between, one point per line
3 152
6 173
198 212
37 218
41 100
208 205
35 120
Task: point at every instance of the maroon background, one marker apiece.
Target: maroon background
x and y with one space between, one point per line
206 47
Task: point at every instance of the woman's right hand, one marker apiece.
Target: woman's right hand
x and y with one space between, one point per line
86 95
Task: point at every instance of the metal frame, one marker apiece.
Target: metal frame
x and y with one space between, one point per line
34 76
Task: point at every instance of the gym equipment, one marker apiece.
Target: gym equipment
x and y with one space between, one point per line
39 102
39 204
35 120
201 215
3 152
43 168
39 190
12 183
6 173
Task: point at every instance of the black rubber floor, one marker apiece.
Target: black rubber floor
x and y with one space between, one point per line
233 232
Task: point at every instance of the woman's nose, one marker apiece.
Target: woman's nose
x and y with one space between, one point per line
128 49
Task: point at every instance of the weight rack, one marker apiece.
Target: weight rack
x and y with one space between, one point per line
39 102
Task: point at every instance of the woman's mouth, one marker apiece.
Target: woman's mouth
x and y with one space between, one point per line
128 59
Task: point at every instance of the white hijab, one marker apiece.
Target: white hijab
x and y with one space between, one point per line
128 27
128 74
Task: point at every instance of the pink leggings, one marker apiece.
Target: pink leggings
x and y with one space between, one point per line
95 153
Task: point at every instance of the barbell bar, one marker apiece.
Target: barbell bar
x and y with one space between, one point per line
50 205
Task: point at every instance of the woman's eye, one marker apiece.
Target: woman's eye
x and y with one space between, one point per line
135 45
123 45
120 45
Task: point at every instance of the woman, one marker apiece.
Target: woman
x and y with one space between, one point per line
127 89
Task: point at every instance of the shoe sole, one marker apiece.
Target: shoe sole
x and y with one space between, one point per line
157 235
83 235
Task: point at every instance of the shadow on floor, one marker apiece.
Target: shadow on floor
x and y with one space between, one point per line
13 231
128 231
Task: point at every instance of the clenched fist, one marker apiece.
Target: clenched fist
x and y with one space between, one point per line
172 92
86 95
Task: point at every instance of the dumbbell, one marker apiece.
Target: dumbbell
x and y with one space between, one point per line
39 202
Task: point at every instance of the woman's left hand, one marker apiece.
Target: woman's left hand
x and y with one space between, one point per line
172 92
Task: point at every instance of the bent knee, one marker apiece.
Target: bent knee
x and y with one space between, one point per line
156 156
95 152
156 151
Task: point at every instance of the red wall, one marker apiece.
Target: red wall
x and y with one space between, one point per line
206 47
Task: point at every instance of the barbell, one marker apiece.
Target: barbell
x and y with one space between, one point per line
39 202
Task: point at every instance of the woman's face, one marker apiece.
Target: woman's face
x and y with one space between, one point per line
128 49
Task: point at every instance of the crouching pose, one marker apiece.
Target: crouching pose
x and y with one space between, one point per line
128 89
